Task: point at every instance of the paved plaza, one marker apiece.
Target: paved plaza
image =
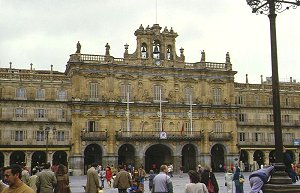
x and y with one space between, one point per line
179 183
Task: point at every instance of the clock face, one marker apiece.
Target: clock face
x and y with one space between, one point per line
157 62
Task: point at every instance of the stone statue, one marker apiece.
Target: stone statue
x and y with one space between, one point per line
107 48
78 48
227 57
203 56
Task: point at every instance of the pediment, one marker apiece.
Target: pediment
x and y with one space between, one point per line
94 75
217 81
188 80
157 78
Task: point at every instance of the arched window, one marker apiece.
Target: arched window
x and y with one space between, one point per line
144 54
156 49
169 55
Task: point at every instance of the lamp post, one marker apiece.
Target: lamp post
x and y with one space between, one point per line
271 7
47 130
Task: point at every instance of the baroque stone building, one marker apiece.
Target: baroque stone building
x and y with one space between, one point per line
149 107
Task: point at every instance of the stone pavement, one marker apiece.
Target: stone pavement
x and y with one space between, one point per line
178 183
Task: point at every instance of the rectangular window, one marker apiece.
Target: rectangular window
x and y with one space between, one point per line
125 90
257 100
216 96
258 137
40 94
60 136
94 95
91 126
20 112
40 135
157 92
270 101
61 114
40 113
242 136
270 118
242 117
218 127
240 100
20 93
124 126
188 93
62 95
19 135
285 118
157 126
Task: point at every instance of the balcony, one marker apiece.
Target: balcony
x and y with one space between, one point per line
220 136
264 142
30 141
94 136
265 122
156 135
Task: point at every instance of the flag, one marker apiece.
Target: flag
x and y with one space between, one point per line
182 128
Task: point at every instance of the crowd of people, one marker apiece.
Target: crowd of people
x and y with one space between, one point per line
18 179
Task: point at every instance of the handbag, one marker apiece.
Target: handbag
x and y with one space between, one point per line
241 179
210 186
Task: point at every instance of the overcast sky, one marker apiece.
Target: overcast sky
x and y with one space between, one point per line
45 32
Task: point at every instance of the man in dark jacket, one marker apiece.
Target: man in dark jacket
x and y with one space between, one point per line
259 177
206 176
122 180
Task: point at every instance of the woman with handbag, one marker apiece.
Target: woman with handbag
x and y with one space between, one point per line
62 177
228 181
238 180
195 186
209 179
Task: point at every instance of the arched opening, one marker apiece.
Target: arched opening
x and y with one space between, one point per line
156 49
126 155
38 159
272 156
92 154
157 155
1 160
60 157
17 157
259 157
188 157
244 157
169 55
144 54
217 158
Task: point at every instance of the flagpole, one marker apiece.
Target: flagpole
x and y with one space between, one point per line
128 122
160 113
191 113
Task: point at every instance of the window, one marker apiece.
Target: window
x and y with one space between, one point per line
218 127
242 136
287 101
240 100
124 126
157 92
285 118
40 94
20 92
216 96
40 113
60 136
258 137
40 135
157 126
92 126
62 95
20 112
144 51
270 100
257 100
19 135
125 90
242 117
61 114
270 118
188 93
94 91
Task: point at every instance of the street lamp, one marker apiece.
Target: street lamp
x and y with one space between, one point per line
271 7
46 130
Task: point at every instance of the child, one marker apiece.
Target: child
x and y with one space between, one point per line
133 188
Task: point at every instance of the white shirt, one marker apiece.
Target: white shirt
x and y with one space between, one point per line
195 188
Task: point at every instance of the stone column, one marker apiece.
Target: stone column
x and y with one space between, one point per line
251 163
6 158
266 157
76 163
110 159
176 163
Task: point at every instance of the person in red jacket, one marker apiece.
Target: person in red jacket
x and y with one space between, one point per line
108 176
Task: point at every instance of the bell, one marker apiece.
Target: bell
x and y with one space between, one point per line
156 50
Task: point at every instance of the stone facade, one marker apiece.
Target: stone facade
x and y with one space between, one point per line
149 107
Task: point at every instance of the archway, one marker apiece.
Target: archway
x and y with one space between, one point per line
17 157
157 155
244 157
1 160
188 157
60 157
126 155
92 154
38 159
272 156
217 158
259 157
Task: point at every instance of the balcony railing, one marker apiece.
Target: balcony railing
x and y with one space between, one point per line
33 141
157 135
220 136
264 142
94 136
263 122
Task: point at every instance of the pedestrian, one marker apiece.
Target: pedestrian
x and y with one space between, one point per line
238 180
12 176
108 176
62 180
200 169
92 183
287 160
259 177
142 175
46 180
122 180
181 172
151 177
209 179
298 170
32 180
101 175
195 186
25 174
228 181
162 182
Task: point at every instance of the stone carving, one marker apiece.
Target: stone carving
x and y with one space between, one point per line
78 48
